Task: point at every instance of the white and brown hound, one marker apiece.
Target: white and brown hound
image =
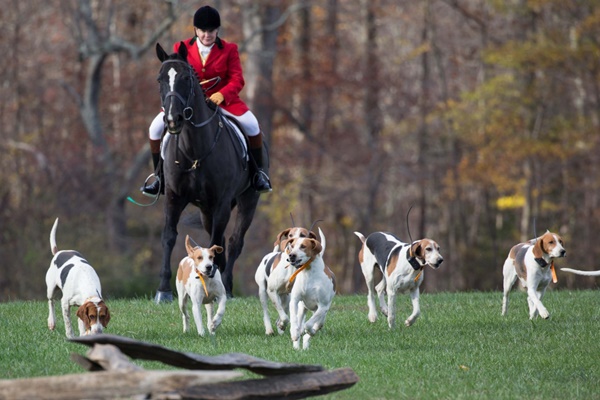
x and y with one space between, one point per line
312 287
73 276
272 276
402 267
199 279
532 263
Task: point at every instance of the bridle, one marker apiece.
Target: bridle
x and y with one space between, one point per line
188 114
188 110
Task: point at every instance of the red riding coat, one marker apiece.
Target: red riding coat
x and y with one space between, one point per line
224 63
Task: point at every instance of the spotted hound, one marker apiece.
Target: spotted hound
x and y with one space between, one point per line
402 267
272 276
199 280
532 263
73 276
312 288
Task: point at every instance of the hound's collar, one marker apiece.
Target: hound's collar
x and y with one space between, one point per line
200 276
412 260
542 263
290 282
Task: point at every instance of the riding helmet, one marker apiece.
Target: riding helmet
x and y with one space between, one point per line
207 18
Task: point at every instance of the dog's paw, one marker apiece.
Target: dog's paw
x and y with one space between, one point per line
409 322
309 330
282 324
306 342
372 317
544 313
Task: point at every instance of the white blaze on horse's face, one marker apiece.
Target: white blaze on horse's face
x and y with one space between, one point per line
172 74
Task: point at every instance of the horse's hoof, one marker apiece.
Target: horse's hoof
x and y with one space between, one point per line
163 297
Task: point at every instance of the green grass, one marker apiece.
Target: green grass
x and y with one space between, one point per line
460 348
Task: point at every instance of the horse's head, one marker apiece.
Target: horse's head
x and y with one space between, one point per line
178 87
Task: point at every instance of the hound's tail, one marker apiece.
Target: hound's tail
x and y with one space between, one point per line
323 241
360 236
53 247
579 272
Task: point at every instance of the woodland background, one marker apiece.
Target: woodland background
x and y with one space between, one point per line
482 115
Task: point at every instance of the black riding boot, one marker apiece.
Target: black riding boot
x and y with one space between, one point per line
157 185
260 180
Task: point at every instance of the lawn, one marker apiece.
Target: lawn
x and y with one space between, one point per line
460 348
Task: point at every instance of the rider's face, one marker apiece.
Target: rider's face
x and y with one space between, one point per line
207 37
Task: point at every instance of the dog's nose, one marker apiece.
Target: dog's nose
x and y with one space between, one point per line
563 253
292 258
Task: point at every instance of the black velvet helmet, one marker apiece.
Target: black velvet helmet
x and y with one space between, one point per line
207 18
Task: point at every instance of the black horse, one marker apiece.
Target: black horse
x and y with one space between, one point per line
204 164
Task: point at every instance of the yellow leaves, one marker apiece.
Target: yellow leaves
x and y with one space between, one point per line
508 202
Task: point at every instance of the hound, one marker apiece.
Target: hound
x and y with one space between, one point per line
402 267
273 274
532 263
579 272
73 276
312 288
199 279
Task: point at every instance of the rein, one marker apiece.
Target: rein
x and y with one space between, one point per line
198 161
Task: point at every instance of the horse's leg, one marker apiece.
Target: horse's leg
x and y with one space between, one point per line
208 221
246 207
218 224
173 209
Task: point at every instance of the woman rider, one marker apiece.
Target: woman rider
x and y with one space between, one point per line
212 57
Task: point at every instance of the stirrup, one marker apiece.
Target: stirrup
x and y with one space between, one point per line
153 189
261 182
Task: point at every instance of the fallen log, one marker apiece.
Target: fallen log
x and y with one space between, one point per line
147 351
295 386
109 384
120 378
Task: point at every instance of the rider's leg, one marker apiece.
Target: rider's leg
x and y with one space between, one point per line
260 180
155 133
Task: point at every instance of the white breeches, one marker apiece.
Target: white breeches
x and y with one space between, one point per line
247 120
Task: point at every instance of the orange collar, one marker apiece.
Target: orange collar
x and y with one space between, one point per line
302 268
554 278
202 280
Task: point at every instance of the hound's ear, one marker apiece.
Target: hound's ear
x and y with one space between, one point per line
312 235
538 248
107 316
282 245
288 243
161 53
82 314
415 249
216 249
317 247
281 238
188 246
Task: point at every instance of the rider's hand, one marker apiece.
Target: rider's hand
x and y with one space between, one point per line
217 98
